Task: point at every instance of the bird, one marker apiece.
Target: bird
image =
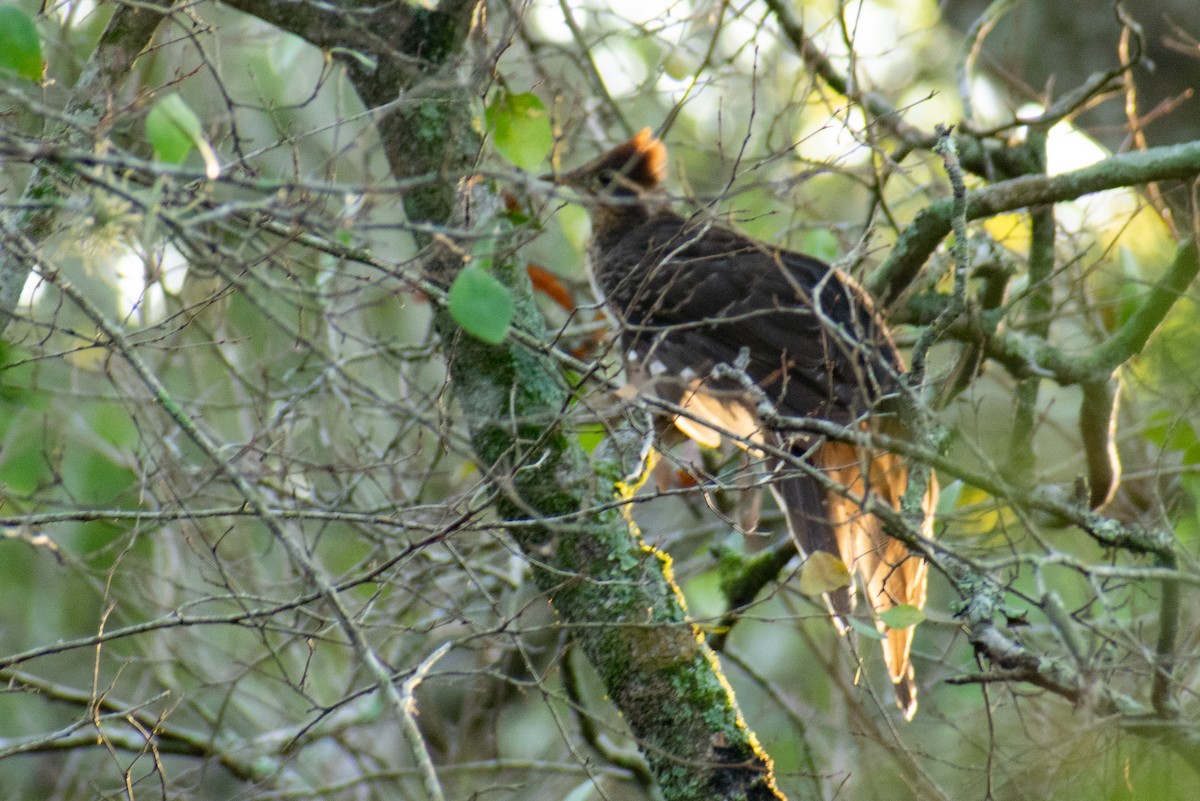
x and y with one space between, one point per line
718 323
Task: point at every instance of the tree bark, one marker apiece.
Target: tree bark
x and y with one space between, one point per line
615 594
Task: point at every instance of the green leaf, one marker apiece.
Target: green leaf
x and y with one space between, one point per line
1191 454
481 304
1168 430
591 435
92 478
20 47
24 469
520 129
16 380
1190 483
1130 292
948 497
823 572
173 129
902 616
821 243
866 629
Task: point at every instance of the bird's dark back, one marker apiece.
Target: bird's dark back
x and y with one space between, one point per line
691 295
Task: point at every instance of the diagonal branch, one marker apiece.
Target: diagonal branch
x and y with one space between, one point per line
932 224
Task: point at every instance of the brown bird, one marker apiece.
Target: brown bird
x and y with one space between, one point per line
687 295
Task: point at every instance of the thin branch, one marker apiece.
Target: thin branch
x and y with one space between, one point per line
412 731
127 34
295 549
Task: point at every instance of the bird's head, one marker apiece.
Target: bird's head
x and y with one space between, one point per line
629 170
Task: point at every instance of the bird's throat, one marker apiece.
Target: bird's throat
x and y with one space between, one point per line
611 223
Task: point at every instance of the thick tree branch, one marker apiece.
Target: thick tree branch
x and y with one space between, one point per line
932 224
1023 354
614 592
980 155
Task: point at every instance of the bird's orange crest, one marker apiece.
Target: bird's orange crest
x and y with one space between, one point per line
651 169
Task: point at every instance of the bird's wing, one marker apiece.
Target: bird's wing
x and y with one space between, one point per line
692 299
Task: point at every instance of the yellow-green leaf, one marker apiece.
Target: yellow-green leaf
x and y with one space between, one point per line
901 616
865 629
520 128
173 129
20 47
591 435
823 572
481 304
947 503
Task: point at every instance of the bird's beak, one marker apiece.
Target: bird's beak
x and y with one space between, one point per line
576 182
570 178
579 177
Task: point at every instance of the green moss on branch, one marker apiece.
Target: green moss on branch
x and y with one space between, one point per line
612 590
932 224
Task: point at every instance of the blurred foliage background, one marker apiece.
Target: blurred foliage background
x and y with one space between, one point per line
157 641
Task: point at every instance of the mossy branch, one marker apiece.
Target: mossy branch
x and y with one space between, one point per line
1024 354
614 592
933 223
1128 340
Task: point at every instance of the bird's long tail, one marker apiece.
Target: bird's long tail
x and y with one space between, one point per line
832 521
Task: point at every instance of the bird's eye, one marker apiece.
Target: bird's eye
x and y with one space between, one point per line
606 176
